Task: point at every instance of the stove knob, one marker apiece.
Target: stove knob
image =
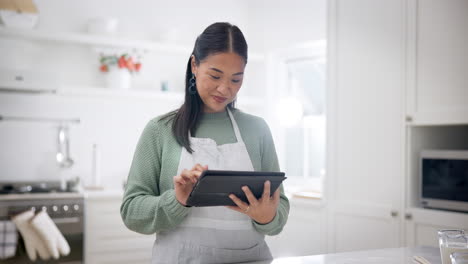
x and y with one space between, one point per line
76 207
44 208
33 208
55 208
65 208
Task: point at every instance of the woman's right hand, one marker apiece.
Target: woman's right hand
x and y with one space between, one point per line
183 183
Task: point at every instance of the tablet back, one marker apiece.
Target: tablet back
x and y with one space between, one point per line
214 187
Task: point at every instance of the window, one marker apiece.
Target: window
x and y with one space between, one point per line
302 116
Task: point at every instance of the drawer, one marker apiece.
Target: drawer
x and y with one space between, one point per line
117 245
96 221
123 257
110 232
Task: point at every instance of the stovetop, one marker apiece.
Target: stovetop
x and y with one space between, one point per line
31 187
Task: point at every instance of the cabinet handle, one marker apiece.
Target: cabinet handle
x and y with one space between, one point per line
394 213
408 216
409 118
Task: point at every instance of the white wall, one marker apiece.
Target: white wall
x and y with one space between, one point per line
279 24
115 123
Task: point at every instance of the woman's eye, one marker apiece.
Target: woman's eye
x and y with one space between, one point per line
235 81
214 77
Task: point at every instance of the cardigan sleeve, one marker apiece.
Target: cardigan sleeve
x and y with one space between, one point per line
144 208
269 161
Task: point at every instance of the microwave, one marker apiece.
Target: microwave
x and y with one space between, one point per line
444 179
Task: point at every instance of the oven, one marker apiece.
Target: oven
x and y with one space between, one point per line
65 209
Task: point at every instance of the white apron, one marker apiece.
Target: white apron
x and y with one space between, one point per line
213 234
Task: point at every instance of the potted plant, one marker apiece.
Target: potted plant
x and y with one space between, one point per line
118 69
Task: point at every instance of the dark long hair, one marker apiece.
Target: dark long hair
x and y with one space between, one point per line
216 38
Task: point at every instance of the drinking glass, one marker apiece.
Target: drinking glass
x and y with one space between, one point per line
459 258
451 241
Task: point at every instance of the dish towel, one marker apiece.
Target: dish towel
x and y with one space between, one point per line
53 239
32 241
8 239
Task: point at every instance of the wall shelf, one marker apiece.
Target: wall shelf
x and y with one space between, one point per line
93 40
103 41
27 88
97 91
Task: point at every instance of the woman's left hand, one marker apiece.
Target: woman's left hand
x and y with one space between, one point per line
262 210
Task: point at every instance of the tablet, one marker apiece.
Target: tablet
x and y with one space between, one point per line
214 186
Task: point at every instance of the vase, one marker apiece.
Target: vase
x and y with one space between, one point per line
118 78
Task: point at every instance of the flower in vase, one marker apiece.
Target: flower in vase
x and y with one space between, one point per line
123 61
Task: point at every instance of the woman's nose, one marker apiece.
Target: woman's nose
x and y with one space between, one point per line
224 88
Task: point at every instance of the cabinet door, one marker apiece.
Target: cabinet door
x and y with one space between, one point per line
365 164
422 225
106 235
304 233
438 61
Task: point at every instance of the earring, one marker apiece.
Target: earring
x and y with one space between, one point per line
192 87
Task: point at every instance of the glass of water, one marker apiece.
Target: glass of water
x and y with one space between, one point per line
459 258
451 241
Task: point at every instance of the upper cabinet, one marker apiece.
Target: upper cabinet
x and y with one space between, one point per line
437 62
365 119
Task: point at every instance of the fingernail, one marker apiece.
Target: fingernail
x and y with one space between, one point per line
231 196
244 188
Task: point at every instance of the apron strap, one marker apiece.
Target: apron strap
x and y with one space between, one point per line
235 126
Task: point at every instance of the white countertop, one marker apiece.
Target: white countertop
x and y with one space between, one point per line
103 194
34 196
378 256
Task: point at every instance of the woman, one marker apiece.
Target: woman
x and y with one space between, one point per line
205 132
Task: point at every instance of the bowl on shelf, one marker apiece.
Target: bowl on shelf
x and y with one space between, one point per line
18 20
103 25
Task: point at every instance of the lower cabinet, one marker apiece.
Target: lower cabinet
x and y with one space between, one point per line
107 239
422 225
304 233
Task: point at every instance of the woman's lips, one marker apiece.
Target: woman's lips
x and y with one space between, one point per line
219 99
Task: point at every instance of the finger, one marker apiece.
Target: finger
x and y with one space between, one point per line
238 202
266 190
197 167
187 176
276 196
197 174
179 180
250 197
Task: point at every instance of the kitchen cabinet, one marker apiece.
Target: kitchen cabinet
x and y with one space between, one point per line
437 62
107 239
397 85
422 225
365 173
305 231
437 104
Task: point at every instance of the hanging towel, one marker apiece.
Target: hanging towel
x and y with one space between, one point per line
32 241
8 239
51 235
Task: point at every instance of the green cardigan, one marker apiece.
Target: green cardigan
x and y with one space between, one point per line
149 204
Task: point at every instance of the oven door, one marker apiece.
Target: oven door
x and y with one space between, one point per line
72 230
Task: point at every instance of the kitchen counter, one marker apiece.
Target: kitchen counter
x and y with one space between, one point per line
378 256
103 194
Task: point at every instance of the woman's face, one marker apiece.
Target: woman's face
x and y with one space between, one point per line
218 78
